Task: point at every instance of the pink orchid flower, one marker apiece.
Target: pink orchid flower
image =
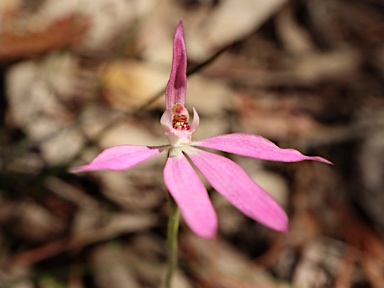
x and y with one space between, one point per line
185 155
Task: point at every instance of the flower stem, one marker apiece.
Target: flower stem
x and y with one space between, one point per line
173 228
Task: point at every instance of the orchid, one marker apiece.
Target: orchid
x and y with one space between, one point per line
185 156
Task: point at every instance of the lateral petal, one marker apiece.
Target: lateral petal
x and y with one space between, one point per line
254 146
120 157
191 196
231 181
196 120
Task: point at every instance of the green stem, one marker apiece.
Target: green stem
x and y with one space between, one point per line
173 228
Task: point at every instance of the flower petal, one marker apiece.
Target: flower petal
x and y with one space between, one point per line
120 158
254 146
196 120
190 195
177 84
166 121
230 180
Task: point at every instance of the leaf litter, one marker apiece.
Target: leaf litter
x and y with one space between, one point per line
307 75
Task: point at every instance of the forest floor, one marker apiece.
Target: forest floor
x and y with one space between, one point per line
79 76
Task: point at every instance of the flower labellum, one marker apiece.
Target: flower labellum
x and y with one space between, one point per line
225 176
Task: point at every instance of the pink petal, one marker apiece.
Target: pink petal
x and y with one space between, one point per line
119 158
254 146
177 84
230 180
196 120
191 196
166 120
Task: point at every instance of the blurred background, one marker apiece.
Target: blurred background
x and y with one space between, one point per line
78 76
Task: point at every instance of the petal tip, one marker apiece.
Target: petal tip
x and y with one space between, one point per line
75 169
180 26
325 161
284 228
209 235
282 225
319 159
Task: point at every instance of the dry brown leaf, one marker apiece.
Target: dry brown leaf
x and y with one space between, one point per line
61 33
209 96
346 270
95 26
318 264
36 108
131 83
302 70
137 189
218 264
294 37
34 222
111 269
228 22
336 64
374 269
89 210
15 277
117 225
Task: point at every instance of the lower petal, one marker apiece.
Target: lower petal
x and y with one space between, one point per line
230 180
191 196
119 158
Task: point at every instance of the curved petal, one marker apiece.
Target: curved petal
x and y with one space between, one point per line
166 121
119 158
190 195
177 84
196 120
230 180
254 146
